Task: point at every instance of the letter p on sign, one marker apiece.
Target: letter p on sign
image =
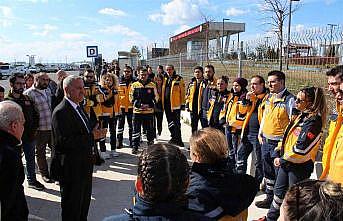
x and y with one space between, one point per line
92 51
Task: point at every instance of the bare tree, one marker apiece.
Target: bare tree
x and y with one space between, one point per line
276 12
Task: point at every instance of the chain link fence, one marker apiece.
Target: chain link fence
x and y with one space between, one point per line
311 53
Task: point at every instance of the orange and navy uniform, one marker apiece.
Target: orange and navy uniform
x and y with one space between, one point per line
123 93
302 139
193 87
250 106
218 108
143 97
236 112
91 102
332 152
109 102
177 92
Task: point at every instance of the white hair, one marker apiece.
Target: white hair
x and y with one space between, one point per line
10 112
68 81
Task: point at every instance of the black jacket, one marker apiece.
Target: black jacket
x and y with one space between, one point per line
216 192
12 197
162 211
31 115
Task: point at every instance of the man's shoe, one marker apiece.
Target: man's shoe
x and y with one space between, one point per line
150 143
264 204
47 179
105 155
134 150
180 144
36 185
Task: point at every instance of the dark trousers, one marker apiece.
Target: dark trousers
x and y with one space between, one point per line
29 152
121 123
269 170
147 121
286 177
159 120
43 138
233 141
194 121
248 144
203 119
174 124
76 187
15 208
111 123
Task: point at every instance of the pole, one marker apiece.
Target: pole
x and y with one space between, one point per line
180 63
240 59
289 33
223 38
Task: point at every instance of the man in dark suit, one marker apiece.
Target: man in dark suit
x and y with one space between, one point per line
73 139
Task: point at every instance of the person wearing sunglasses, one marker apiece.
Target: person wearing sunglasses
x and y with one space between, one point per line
295 155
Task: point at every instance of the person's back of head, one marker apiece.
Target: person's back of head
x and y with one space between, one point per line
208 145
163 172
313 200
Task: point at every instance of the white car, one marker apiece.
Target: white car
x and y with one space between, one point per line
5 71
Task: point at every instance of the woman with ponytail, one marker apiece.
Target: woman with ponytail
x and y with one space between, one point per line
161 184
294 158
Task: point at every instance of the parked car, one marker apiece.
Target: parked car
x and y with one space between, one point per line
5 71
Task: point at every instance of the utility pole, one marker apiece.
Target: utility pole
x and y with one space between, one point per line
289 31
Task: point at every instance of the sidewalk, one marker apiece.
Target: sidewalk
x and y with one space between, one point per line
113 185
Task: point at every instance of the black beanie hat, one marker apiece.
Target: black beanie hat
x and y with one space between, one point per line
242 82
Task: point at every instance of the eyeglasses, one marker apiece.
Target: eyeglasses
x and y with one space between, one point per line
298 101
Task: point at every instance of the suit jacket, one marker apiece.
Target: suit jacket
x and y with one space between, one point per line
70 137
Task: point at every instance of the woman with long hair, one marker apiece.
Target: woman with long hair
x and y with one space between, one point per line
295 156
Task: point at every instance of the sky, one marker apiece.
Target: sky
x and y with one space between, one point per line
60 30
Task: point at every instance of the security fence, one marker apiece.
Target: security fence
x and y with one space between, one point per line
305 59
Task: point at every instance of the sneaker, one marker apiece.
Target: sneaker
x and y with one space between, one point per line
264 204
47 179
105 155
114 153
177 143
36 185
134 150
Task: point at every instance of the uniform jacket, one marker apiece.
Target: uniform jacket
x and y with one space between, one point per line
31 115
162 211
302 139
123 93
91 103
142 94
219 97
277 114
250 106
12 198
335 121
332 152
177 94
215 192
236 111
190 95
207 90
109 102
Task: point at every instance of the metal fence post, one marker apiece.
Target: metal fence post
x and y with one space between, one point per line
240 60
180 64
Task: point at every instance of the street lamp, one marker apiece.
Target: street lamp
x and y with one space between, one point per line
224 19
289 30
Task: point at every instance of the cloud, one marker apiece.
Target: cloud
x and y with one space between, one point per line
182 28
6 16
73 36
112 12
121 30
179 12
43 30
235 12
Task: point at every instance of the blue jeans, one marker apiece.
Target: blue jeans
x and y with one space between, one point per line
29 152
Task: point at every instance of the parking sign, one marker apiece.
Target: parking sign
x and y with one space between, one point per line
92 51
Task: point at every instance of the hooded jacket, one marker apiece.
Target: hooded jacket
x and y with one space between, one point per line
161 211
215 192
